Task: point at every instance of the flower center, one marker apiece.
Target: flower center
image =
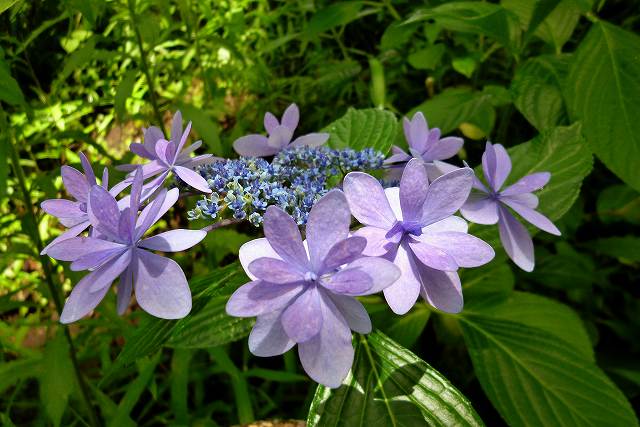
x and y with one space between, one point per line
310 276
404 227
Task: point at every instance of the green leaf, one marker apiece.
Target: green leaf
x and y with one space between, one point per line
389 385
340 13
57 380
125 88
493 280
10 91
207 129
566 269
396 35
465 66
532 375
360 129
79 58
428 58
619 203
603 93
378 87
6 4
17 370
626 248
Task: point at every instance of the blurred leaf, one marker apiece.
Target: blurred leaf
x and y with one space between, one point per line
180 385
428 58
625 248
10 91
57 380
493 280
279 376
378 87
16 370
465 66
406 329
531 374
603 92
4 160
6 4
125 88
619 203
79 58
360 129
396 35
566 269
335 15
498 95
389 385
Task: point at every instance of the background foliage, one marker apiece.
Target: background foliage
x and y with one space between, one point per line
557 81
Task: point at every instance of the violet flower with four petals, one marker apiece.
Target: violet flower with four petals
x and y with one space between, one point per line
414 226
279 136
304 294
489 205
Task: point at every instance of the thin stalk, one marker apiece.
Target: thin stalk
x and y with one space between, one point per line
220 224
53 290
145 66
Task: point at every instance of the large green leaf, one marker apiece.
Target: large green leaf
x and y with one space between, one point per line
390 386
335 15
619 203
603 93
534 371
360 129
57 380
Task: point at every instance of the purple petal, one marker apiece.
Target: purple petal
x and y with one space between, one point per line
328 224
151 136
279 138
161 287
103 212
176 126
302 320
75 183
275 270
516 240
446 195
383 273
327 358
451 223
444 149
253 250
192 178
163 151
139 150
419 131
433 256
259 297
438 168
81 301
182 142
534 217
69 234
310 140
136 190
174 240
406 127
125 288
368 201
88 170
110 270
403 293
62 208
350 281
284 237
466 250
496 165
441 289
399 155
413 190
94 260
253 146
527 184
76 247
481 209
377 242
343 252
393 196
530 200
267 337
270 122
353 312
191 148
291 117
155 210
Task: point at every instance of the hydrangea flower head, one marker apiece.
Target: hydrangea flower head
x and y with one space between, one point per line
117 249
489 205
169 156
279 136
414 226
304 294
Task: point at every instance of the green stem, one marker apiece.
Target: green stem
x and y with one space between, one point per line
46 266
145 66
238 384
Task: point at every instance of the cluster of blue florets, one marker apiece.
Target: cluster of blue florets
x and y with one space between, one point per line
294 180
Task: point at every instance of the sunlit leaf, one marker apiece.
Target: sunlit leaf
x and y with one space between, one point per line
360 129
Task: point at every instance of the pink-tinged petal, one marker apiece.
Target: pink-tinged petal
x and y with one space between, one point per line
182 142
291 117
267 338
350 281
103 212
62 208
279 138
377 242
441 289
173 240
444 148
254 146
155 210
275 270
81 302
192 178
451 223
403 293
139 150
125 289
480 208
270 122
353 312
328 223
327 358
69 234
253 250
532 216
367 200
310 140
446 195
516 240
75 183
466 250
161 287
110 270
88 170
94 260
432 256
393 196
383 273
419 132
260 297
497 166
413 190
74 248
527 184
302 319
284 237
343 252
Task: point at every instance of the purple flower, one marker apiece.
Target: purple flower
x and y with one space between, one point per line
489 205
280 134
169 156
73 214
304 294
117 249
414 226
424 143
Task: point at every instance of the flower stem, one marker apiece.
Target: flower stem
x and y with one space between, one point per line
53 290
220 224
